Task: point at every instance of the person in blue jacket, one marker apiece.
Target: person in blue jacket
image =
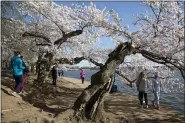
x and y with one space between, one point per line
17 71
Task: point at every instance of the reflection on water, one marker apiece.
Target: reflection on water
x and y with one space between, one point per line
173 100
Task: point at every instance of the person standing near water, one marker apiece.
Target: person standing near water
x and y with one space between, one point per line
59 73
142 86
54 75
156 87
62 73
82 76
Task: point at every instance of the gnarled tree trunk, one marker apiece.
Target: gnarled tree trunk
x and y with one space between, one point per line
89 105
32 67
43 67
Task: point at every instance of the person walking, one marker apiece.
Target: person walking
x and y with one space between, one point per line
17 71
25 71
62 73
59 73
156 88
54 75
142 86
82 76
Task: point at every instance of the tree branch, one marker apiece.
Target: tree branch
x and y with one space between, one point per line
94 62
66 36
68 61
31 34
50 20
162 60
40 44
131 81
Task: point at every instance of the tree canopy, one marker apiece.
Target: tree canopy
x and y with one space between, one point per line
71 32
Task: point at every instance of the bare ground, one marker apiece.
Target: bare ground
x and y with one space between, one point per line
46 104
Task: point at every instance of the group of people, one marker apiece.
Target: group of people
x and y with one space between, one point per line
19 71
60 73
143 85
55 71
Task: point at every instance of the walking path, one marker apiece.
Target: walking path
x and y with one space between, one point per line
43 106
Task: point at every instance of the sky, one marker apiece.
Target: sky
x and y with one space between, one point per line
125 10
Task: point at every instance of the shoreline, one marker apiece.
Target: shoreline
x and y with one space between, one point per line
166 99
76 82
127 105
150 96
117 106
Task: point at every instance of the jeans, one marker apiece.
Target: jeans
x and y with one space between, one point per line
54 81
156 98
19 81
22 86
141 94
82 80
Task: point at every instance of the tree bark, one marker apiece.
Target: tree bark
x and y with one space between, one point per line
43 67
3 64
89 105
32 70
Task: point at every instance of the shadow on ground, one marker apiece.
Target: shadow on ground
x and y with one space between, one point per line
48 98
57 99
129 108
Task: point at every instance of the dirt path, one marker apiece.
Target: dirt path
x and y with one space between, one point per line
72 83
42 106
126 106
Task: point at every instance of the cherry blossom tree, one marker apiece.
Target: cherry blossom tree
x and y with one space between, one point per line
160 39
170 34
62 27
12 41
161 34
63 34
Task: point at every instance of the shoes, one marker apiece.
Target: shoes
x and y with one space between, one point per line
157 108
15 94
153 104
146 106
20 93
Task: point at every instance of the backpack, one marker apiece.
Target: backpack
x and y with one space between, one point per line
26 70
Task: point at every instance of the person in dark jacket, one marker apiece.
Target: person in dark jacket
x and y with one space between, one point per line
62 73
54 74
59 73
17 70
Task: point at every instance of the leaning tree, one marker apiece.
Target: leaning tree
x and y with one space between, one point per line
164 28
70 30
160 39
